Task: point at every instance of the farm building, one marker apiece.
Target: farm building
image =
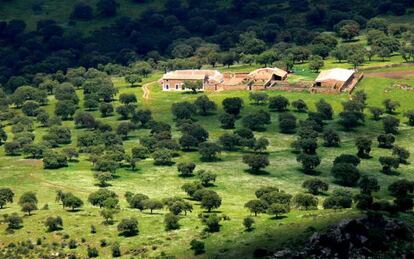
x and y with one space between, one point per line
336 79
265 77
174 80
213 80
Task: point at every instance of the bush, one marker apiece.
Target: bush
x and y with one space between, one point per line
116 250
171 222
54 223
128 227
305 201
248 223
315 186
186 169
197 246
345 174
338 199
92 252
212 223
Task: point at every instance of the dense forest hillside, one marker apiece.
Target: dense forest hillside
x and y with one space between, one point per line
46 36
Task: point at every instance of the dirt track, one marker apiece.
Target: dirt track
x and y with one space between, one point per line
146 90
391 74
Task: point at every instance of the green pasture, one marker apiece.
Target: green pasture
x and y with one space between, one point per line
234 184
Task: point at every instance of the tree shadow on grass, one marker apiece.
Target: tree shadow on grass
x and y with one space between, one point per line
312 172
74 211
153 213
257 172
392 173
278 217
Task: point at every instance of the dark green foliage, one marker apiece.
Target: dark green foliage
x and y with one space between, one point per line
208 151
376 112
183 110
386 140
391 124
300 105
128 227
388 163
171 222
92 252
305 201
390 105
256 162
348 159
410 115
212 222
277 209
116 250
13 221
54 223
152 204
278 103
204 105
368 185
197 246
309 162
128 98
162 157
338 199
232 105
207 178
136 201
210 200
84 120
315 186
54 160
227 121
256 120
402 154
256 206
186 169
12 148
248 223
71 201
6 196
345 174
364 146
287 123
141 117
325 109
400 188
258 98
99 197
106 109
331 138
363 201
65 109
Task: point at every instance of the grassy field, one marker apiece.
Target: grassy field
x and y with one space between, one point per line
234 184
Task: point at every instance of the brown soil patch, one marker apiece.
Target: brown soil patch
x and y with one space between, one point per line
391 74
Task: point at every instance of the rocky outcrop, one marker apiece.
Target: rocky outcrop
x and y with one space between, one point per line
365 237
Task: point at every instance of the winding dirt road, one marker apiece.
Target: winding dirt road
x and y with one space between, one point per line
146 90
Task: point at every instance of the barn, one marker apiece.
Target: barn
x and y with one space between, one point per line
335 79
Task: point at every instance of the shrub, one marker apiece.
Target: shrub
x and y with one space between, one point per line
197 246
305 201
248 223
171 222
338 199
